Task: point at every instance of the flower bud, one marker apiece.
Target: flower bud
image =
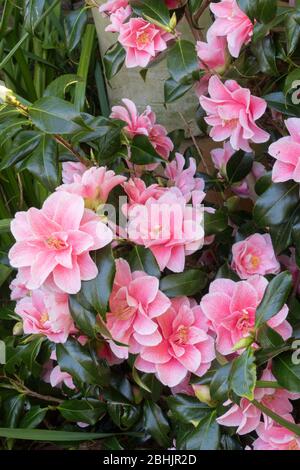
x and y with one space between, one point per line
202 392
4 93
18 329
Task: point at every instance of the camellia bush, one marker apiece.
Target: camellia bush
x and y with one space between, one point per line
150 291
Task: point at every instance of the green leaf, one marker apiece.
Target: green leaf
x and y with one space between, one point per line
292 29
206 436
239 166
75 23
83 316
13 406
143 152
77 361
33 11
276 204
260 10
60 85
182 61
215 222
86 410
24 143
43 163
54 116
282 104
174 90
243 375
282 234
33 417
154 11
275 297
54 436
24 354
186 409
98 290
219 386
286 369
187 283
156 424
113 60
265 53
269 338
142 259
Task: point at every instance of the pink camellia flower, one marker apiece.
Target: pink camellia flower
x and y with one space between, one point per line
254 255
184 179
142 41
213 54
70 169
137 124
144 124
247 417
286 151
118 18
233 23
158 136
232 112
231 308
169 227
46 313
185 346
55 242
18 285
112 6
139 193
276 437
58 377
245 188
94 185
134 303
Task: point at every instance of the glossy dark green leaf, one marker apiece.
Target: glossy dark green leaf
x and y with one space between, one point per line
265 53
215 222
97 291
259 10
24 143
33 417
75 23
60 85
242 378
187 283
174 90
276 204
239 166
143 152
13 407
113 60
43 162
269 338
286 369
186 409
206 436
83 316
282 104
156 424
77 361
86 410
182 61
54 116
142 259
219 386
275 297
282 235
292 29
154 11
5 225
263 183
